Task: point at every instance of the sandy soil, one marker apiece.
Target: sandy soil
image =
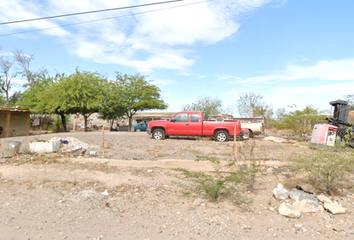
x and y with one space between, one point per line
51 196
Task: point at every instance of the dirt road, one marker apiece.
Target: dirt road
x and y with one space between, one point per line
50 196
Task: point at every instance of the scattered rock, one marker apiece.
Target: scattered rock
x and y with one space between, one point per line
307 188
288 210
105 193
278 140
294 195
308 205
323 198
298 195
334 208
307 196
280 193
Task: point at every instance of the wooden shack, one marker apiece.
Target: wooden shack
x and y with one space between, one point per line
14 121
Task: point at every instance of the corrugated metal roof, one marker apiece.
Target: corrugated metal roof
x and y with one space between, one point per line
7 109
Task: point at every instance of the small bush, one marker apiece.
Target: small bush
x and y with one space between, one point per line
345 137
325 169
224 182
248 165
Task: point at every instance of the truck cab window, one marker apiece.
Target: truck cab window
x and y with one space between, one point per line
182 117
194 117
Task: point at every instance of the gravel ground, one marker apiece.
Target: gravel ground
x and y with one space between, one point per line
54 196
140 146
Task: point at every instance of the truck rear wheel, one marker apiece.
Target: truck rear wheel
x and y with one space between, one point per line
221 136
158 134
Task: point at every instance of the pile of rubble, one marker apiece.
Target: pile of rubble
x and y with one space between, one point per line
278 140
296 202
70 144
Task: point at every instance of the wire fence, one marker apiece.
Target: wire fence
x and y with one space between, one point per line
124 145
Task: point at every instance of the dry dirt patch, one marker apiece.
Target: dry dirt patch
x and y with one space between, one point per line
63 198
49 196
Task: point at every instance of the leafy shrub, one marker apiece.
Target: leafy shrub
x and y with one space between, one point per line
217 185
224 182
325 169
345 137
248 165
300 122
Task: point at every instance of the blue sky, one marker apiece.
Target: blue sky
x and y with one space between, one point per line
289 51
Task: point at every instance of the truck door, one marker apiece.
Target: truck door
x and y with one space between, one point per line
178 125
195 124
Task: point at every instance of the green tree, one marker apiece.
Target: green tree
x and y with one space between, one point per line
111 108
31 97
50 99
2 100
137 94
210 106
300 121
80 92
15 98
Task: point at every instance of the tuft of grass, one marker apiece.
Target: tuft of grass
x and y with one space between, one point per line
216 185
326 169
249 166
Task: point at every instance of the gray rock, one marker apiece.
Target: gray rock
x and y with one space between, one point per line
308 196
308 205
299 195
280 193
323 198
10 149
294 195
306 188
334 208
288 210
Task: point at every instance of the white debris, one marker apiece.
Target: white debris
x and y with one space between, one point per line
105 193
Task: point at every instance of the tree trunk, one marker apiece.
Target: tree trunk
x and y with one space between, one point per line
7 97
63 121
111 124
85 117
130 123
58 124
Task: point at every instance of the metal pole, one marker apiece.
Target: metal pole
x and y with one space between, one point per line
235 146
102 140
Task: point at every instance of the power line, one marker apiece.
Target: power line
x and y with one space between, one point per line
102 19
81 13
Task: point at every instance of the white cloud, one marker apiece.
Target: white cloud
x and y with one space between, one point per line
160 82
318 96
336 76
228 78
160 39
13 10
338 70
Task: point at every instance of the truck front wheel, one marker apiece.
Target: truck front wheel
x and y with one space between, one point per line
158 134
221 136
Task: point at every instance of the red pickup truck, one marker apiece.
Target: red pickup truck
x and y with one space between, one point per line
190 123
